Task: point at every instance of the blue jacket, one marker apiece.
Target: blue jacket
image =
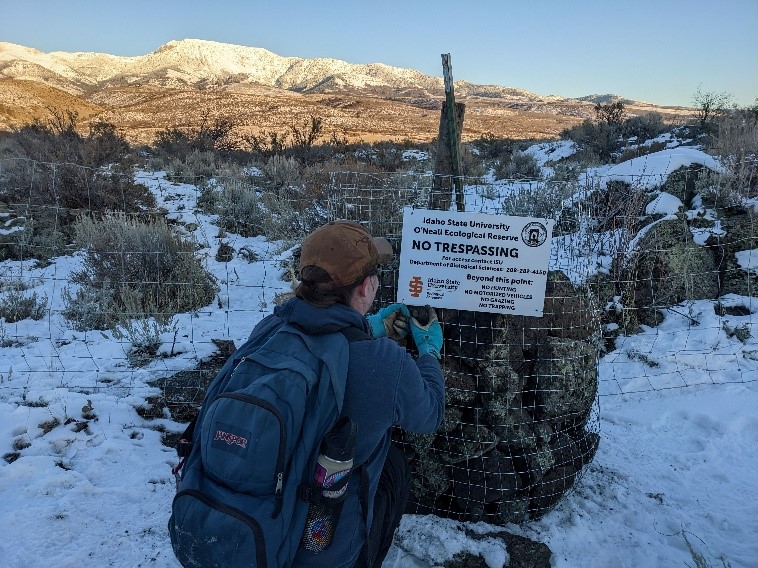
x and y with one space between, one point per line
385 387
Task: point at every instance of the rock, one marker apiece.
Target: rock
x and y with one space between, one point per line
460 386
472 336
741 234
511 509
565 451
587 444
485 479
545 494
420 443
681 183
526 553
465 560
667 268
618 205
564 382
569 312
539 460
498 378
523 553
451 419
226 349
512 425
225 252
430 480
466 441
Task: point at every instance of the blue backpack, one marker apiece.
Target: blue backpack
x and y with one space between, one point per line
254 446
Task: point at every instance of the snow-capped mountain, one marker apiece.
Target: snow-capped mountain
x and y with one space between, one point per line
261 91
199 63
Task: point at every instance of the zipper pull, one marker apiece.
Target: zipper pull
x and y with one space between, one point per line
278 493
279 482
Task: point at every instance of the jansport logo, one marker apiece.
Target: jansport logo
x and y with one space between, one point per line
415 286
230 438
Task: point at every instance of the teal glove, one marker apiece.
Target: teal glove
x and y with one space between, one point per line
391 322
427 336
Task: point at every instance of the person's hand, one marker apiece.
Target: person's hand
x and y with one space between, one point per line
427 335
391 321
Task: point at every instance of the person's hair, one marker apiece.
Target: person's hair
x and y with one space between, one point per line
316 287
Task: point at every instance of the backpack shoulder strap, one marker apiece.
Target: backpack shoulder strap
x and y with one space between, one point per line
335 357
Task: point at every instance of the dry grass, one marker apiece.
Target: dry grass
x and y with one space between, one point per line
23 101
142 112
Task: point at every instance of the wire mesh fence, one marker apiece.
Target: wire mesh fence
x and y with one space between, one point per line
139 286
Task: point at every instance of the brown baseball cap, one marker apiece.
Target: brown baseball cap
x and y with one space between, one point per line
344 250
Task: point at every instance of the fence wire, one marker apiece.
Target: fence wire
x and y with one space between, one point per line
99 295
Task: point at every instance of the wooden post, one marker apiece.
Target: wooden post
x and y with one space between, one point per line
448 164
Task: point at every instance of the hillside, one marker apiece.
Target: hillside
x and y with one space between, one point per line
21 101
260 90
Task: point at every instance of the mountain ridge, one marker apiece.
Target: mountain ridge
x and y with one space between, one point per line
262 91
195 62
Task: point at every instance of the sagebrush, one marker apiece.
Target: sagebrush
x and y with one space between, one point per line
137 268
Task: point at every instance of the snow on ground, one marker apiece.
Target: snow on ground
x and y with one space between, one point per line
748 260
417 155
551 151
669 138
651 170
92 483
700 234
664 204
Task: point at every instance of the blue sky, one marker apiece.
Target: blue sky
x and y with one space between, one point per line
659 51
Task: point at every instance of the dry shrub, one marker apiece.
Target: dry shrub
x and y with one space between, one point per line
91 307
538 199
738 135
49 197
281 173
566 171
644 126
641 150
318 180
288 219
601 140
193 167
135 268
239 207
728 188
209 196
376 199
490 147
283 213
518 165
41 237
16 306
737 146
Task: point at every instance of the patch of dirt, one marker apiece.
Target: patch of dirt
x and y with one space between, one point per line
183 392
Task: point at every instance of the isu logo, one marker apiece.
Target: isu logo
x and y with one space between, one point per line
534 234
230 438
415 286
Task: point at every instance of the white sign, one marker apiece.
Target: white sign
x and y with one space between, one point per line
474 261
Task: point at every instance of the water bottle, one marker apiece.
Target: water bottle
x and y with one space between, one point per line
332 472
